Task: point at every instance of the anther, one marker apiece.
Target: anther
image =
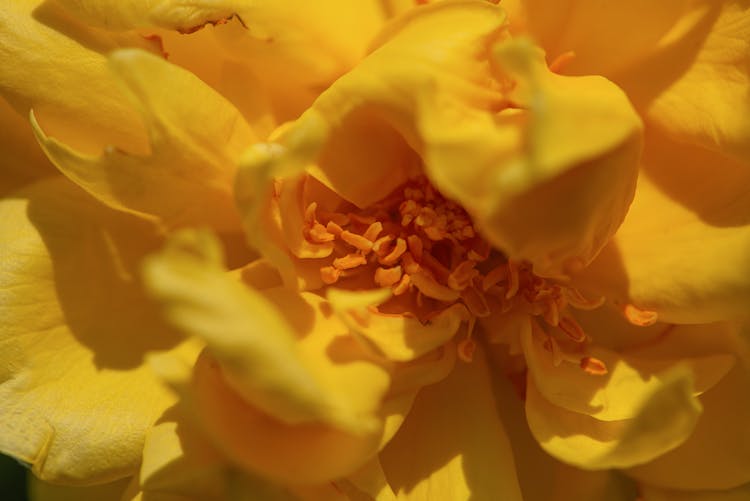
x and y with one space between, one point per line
494 276
319 234
571 328
465 349
430 288
641 318
416 247
373 231
402 286
396 253
349 261
593 366
386 277
513 280
329 274
356 241
578 301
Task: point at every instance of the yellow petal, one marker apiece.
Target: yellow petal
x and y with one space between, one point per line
717 454
297 48
666 419
685 66
295 374
620 393
76 397
536 189
372 110
601 35
453 445
58 67
542 477
682 250
263 444
187 178
695 86
398 337
21 160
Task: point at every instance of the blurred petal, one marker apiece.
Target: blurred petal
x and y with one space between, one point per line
188 176
452 444
59 69
76 397
683 250
572 193
666 419
717 454
293 375
620 393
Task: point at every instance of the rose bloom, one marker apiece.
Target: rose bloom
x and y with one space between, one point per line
459 249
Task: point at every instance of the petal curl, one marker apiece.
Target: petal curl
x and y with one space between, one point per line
188 176
666 419
76 397
58 67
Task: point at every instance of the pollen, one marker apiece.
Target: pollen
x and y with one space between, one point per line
426 249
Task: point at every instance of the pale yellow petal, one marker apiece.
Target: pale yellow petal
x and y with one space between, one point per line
682 250
76 397
57 66
666 419
195 134
453 445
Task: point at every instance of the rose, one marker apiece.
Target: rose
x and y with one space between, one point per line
272 397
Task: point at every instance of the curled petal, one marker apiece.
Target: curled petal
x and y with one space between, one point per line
188 176
667 417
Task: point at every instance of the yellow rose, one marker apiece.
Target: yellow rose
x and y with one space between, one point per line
354 250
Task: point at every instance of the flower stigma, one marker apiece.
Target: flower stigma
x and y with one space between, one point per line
427 250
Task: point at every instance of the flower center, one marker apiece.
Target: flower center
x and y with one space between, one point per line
427 250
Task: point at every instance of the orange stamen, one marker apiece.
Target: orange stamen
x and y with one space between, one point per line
494 276
402 286
396 253
572 329
349 261
386 277
329 274
561 61
465 349
513 280
318 234
641 318
357 241
416 247
593 366
430 288
373 231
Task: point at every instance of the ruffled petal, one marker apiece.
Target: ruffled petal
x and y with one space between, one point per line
666 419
187 178
529 161
542 477
684 67
58 67
683 249
452 444
620 393
76 398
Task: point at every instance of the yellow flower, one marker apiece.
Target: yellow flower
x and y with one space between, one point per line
494 251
